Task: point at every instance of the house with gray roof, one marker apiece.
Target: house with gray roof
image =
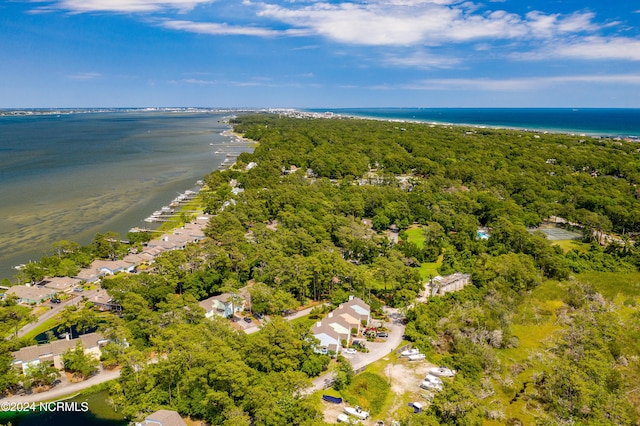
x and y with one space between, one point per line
223 305
31 295
454 282
52 352
60 284
336 327
164 418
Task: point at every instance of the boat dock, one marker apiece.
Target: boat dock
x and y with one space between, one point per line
168 212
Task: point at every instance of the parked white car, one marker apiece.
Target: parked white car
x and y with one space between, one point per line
350 351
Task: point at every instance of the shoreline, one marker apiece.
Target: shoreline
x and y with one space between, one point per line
338 113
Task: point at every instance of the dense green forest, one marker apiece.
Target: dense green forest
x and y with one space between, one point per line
547 333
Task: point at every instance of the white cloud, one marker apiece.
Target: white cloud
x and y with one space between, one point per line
81 6
213 28
519 84
411 22
199 81
84 76
422 60
589 48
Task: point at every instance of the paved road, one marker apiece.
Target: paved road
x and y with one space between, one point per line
56 308
377 350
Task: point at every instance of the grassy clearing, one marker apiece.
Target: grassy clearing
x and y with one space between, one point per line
568 245
430 269
613 285
306 321
368 390
534 324
415 235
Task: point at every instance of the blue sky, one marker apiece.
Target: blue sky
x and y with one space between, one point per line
304 53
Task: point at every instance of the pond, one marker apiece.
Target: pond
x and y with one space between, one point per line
91 409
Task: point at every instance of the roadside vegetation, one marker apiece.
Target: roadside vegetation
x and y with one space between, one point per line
546 333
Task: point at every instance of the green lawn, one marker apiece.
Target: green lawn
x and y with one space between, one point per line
430 269
568 245
46 325
415 234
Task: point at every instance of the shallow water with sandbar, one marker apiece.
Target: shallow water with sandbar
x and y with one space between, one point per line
72 175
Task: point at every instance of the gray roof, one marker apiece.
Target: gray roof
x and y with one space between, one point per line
57 347
164 418
31 293
60 283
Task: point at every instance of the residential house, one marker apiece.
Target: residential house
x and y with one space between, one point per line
455 282
52 352
336 327
112 267
350 321
60 284
138 258
223 305
328 337
357 308
88 275
102 301
31 295
99 268
164 418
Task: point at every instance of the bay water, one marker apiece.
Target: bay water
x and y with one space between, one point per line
72 175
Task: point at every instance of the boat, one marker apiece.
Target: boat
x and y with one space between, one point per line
417 357
442 372
410 352
343 418
433 379
430 386
357 412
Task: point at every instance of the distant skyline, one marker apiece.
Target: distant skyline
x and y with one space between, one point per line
306 54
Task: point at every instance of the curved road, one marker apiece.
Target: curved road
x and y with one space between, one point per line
377 350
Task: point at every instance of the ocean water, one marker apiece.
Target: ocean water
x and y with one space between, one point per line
591 121
72 175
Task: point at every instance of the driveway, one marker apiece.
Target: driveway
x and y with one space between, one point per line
377 350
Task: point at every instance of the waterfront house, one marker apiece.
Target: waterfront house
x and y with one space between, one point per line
138 258
31 295
52 352
112 267
223 305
